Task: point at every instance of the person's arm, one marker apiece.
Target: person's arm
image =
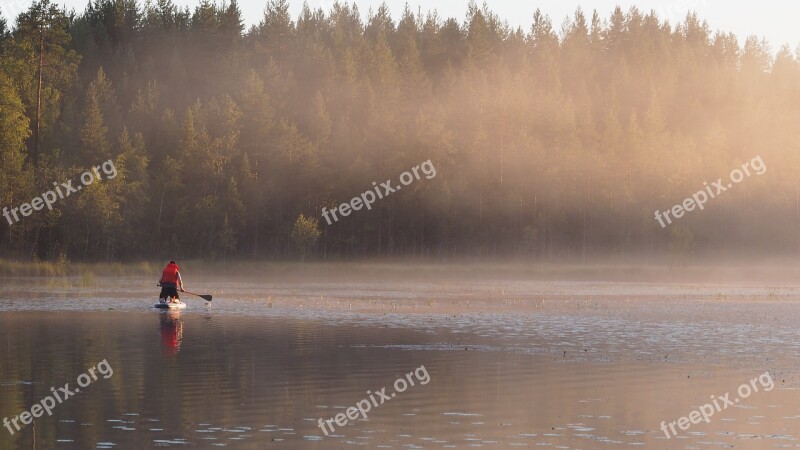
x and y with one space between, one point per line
180 282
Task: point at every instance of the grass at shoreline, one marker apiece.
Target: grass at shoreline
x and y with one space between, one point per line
426 271
10 268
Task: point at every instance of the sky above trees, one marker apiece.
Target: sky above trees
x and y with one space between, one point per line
770 19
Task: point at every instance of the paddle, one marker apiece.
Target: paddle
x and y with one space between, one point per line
204 297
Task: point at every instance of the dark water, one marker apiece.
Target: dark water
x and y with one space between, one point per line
247 375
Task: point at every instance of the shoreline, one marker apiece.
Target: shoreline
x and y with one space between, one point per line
774 271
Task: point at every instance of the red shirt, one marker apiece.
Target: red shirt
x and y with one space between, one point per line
171 274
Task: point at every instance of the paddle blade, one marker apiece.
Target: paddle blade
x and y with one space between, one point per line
204 297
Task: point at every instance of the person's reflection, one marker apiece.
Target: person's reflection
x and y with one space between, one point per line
171 332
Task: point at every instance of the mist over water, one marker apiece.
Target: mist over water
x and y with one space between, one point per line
585 233
522 364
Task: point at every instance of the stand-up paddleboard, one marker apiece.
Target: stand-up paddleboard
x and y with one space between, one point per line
178 305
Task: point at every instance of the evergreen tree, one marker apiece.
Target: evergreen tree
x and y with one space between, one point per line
548 142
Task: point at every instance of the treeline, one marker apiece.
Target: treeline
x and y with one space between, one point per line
548 142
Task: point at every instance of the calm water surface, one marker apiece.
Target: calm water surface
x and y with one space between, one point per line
253 371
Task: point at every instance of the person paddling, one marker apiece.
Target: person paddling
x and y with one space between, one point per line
170 283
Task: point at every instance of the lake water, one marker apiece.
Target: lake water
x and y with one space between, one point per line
507 365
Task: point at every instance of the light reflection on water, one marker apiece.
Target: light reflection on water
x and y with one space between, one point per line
240 375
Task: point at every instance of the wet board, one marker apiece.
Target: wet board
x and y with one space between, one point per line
179 305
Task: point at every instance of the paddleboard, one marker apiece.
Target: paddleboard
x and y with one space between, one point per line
179 305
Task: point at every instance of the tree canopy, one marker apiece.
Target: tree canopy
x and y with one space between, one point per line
548 142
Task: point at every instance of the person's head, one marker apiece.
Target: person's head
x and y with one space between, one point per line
172 262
